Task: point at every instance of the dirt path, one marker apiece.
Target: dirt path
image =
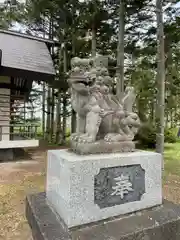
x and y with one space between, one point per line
17 179
171 188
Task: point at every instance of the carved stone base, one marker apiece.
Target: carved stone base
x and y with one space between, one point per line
102 147
84 189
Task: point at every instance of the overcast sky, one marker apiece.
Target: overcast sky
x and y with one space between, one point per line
1 1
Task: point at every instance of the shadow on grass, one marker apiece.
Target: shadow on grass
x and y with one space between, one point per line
168 147
172 166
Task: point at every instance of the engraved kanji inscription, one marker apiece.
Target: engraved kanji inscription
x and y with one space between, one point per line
119 185
123 186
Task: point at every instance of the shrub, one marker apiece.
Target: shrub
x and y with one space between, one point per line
169 136
146 137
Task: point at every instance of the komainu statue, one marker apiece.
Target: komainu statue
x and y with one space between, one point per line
104 124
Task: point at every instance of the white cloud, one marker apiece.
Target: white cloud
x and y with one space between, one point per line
177 5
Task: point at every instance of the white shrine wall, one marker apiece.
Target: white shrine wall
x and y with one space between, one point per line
5 141
4 110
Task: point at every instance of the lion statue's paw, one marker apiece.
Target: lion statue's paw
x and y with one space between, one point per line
86 138
114 137
75 136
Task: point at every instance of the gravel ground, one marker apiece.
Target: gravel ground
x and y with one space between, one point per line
17 179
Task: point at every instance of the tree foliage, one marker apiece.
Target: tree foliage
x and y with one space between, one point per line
73 24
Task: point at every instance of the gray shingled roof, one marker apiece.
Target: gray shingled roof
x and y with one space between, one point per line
25 53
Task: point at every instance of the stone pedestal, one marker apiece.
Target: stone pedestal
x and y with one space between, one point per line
87 189
160 223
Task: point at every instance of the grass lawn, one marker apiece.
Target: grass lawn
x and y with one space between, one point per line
171 176
172 159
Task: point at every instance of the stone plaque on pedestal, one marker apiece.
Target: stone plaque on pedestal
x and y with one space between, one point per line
86 189
119 185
